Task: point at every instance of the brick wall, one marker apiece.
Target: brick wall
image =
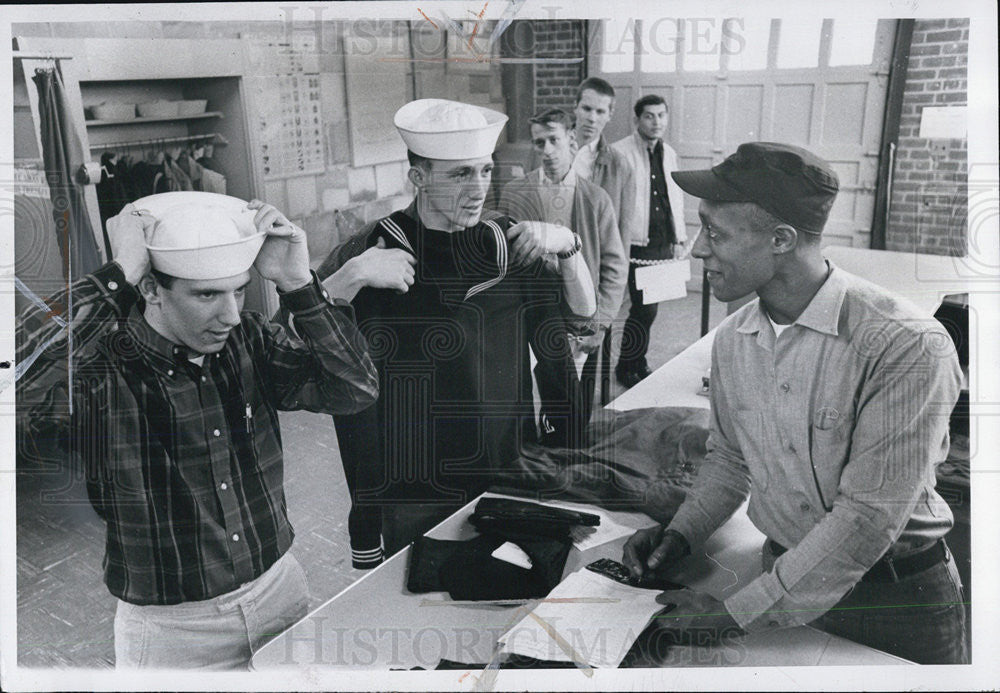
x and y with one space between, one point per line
929 192
555 85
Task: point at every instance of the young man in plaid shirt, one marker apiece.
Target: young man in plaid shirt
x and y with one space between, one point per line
174 412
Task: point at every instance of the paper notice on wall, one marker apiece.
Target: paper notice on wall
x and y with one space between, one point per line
944 122
663 282
588 618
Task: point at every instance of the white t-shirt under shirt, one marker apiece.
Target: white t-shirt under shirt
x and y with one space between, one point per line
583 164
778 329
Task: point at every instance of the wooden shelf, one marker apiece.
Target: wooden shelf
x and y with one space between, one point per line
158 119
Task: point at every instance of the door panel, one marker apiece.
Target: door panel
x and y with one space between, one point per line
835 111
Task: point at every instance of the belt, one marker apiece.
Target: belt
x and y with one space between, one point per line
889 569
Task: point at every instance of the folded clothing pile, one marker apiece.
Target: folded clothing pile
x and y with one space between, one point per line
467 570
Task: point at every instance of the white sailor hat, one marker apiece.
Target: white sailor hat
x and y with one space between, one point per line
442 129
201 235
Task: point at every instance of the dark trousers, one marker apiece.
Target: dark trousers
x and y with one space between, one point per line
635 337
364 519
566 399
920 618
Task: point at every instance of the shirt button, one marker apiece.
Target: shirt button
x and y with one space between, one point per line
236 537
223 485
785 387
113 285
804 507
170 372
203 379
216 433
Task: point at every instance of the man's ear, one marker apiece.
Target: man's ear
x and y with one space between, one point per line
784 238
417 176
149 289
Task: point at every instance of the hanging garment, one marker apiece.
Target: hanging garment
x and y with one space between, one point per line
181 180
112 194
211 164
62 154
144 179
192 169
212 181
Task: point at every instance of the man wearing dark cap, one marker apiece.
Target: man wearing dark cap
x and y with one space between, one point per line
830 400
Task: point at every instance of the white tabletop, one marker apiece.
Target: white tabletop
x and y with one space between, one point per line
377 624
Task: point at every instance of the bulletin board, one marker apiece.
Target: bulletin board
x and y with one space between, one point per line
288 116
378 81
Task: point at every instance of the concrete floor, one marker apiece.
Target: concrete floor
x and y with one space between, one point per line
65 613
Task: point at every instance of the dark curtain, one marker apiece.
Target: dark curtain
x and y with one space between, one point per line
63 155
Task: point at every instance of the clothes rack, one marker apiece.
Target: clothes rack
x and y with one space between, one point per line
218 139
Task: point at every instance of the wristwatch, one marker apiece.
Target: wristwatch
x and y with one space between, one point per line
577 244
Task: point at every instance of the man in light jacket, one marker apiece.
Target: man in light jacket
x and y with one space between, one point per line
658 227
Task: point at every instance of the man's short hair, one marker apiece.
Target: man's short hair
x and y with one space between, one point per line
552 116
418 161
595 84
163 279
649 100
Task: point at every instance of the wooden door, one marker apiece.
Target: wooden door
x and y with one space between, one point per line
820 84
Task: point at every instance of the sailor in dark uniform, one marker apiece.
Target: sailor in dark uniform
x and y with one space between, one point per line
449 330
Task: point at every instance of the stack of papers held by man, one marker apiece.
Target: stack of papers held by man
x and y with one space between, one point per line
588 619
663 282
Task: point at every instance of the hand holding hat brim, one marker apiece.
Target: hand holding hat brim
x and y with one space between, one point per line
128 233
284 255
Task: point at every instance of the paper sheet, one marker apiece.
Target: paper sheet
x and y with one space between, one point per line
663 282
580 359
587 618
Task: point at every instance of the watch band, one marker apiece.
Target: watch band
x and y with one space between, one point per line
577 244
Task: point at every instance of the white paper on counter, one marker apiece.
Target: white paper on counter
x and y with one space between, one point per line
663 282
587 618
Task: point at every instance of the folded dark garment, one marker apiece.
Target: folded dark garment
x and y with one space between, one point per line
639 460
512 516
467 571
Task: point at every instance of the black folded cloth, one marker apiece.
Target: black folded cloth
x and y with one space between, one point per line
512 516
467 571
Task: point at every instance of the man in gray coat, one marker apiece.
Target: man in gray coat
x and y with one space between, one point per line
659 229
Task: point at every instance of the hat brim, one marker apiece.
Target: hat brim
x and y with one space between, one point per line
708 186
452 144
210 262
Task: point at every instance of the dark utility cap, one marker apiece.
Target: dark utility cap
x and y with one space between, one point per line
789 182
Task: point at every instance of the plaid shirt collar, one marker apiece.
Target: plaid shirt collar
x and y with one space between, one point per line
158 351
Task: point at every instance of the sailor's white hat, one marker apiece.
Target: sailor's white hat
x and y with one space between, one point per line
201 235
443 129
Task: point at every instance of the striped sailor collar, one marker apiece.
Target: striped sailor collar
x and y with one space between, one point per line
490 228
